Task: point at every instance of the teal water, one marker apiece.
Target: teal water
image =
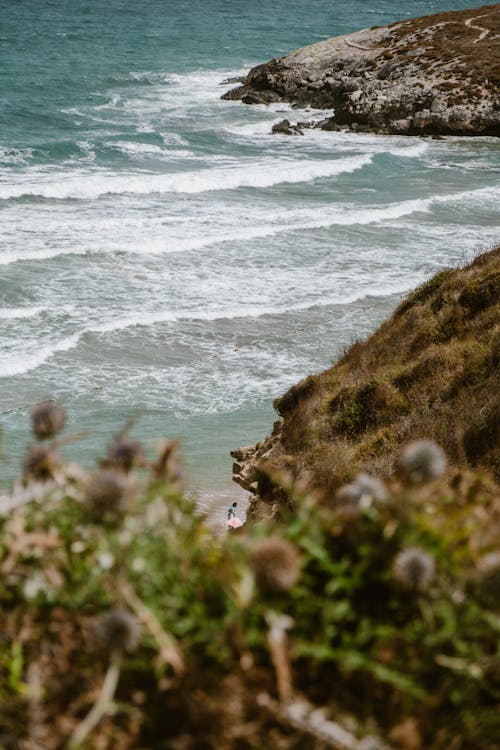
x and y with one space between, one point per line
162 256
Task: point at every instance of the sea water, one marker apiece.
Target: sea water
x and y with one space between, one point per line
163 257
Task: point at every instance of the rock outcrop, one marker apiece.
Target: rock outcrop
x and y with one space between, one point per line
430 371
438 75
285 127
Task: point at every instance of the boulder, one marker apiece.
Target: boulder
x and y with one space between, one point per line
285 127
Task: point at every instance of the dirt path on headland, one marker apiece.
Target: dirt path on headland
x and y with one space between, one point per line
484 32
359 46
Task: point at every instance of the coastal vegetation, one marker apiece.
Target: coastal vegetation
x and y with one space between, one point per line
429 371
359 609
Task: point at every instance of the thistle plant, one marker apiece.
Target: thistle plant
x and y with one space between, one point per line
275 563
422 461
124 454
414 569
297 625
371 742
362 492
488 578
40 463
168 467
108 496
118 629
47 420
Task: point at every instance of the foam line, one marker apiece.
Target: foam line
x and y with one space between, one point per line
263 175
22 364
13 365
13 313
326 219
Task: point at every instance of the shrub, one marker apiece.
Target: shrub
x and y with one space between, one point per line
372 614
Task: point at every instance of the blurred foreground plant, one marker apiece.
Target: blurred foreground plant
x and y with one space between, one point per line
126 623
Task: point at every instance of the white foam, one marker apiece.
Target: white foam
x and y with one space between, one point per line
224 377
327 141
196 233
200 85
13 256
322 218
260 129
236 377
15 155
113 102
409 152
173 140
194 79
88 151
380 289
13 313
176 95
265 174
482 194
18 364
22 363
178 242
134 147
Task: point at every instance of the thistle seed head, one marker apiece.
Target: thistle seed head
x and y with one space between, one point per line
40 462
414 568
370 742
108 496
124 454
275 563
47 420
118 629
488 578
422 461
492 670
365 489
167 466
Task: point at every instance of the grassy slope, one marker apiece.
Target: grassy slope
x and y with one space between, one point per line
431 370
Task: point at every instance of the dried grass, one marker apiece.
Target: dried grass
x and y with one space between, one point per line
431 370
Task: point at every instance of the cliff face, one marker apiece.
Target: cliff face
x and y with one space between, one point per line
437 74
431 371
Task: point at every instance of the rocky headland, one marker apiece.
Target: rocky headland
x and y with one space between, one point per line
434 75
430 371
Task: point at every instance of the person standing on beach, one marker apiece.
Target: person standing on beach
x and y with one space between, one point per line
233 522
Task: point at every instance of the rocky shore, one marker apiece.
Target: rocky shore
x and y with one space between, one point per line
434 75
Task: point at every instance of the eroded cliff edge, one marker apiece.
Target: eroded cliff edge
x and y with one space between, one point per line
431 370
438 74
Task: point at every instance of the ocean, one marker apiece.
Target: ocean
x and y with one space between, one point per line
163 257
